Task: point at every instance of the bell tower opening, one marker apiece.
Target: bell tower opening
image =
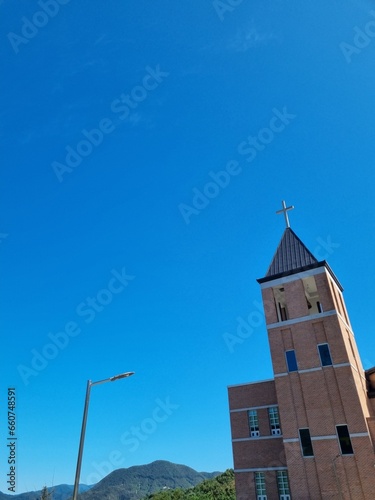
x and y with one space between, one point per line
312 296
280 303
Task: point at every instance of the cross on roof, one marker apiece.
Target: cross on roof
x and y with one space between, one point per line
285 210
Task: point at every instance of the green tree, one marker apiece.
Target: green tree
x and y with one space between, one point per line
45 494
219 488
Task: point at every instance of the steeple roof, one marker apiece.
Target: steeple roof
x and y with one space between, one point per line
291 254
292 257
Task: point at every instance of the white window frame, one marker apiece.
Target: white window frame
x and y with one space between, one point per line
260 485
253 423
274 420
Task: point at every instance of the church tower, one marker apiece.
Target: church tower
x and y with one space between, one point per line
309 432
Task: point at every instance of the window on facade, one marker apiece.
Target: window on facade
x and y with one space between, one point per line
353 352
343 308
312 297
283 485
336 298
253 423
260 486
291 361
325 355
273 414
344 439
306 444
339 302
281 309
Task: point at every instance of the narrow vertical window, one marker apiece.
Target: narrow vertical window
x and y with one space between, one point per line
273 414
344 439
306 444
260 486
343 308
283 485
336 299
325 355
291 360
253 423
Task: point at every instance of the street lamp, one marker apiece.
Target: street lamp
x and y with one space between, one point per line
84 420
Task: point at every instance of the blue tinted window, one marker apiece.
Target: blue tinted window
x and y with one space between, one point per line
291 361
325 355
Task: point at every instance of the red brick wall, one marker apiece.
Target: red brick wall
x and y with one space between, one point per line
259 453
319 399
251 395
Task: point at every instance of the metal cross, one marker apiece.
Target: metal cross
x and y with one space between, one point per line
285 210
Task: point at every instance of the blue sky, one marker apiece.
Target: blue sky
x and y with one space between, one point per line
145 148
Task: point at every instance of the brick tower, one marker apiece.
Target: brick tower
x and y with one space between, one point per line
309 432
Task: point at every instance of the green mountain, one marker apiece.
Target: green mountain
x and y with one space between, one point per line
60 492
218 488
134 483
139 481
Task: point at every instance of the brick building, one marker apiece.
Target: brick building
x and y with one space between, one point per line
309 432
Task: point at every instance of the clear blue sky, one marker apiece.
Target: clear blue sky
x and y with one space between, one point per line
115 116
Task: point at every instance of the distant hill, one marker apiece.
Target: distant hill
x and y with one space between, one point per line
60 492
139 481
134 483
220 488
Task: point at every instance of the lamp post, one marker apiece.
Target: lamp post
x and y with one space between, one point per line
84 420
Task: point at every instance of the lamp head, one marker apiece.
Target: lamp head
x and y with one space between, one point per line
122 375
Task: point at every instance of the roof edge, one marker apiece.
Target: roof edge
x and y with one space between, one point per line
322 263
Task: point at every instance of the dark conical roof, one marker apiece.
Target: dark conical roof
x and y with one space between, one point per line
292 257
291 254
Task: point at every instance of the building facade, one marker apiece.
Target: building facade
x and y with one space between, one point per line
309 432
